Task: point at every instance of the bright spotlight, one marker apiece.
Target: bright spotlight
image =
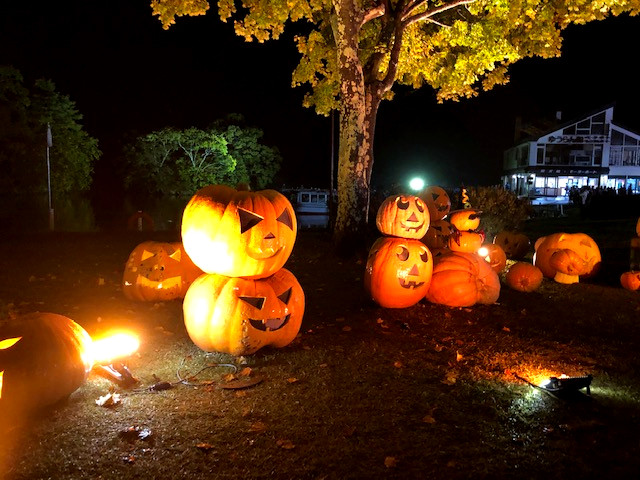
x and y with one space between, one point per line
416 184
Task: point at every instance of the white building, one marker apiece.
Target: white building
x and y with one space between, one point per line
591 151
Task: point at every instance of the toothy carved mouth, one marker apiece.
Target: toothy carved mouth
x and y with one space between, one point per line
409 284
416 228
270 324
264 255
166 284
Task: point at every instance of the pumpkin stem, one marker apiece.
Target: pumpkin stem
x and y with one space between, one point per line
243 187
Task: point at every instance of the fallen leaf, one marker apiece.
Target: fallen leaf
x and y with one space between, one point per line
390 462
292 380
428 419
245 372
450 378
398 364
286 444
258 427
506 329
346 328
205 447
237 384
459 356
108 400
438 348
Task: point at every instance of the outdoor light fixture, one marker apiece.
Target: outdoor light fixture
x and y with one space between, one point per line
108 353
416 184
567 384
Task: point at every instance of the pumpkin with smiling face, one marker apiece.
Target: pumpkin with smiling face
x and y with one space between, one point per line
239 233
437 200
515 244
398 271
44 358
403 216
158 271
437 235
239 316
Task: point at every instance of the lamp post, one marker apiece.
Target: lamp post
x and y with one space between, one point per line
49 145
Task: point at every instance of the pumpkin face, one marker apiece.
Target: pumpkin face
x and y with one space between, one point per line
239 316
158 271
576 256
465 220
630 280
494 256
239 233
515 245
398 272
437 235
463 279
438 202
44 358
403 216
524 277
468 242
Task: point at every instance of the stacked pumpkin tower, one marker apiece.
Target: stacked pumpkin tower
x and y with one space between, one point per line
399 265
245 300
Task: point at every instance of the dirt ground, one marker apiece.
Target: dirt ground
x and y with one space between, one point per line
363 392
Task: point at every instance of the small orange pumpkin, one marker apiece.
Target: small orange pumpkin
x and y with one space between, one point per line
463 279
465 241
239 233
398 272
239 316
524 277
437 200
403 216
465 220
494 255
437 235
158 271
630 280
515 245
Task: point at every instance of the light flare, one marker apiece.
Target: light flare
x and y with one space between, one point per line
114 346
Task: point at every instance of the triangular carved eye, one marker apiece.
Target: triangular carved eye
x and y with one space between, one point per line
285 218
256 302
9 342
435 196
285 296
248 219
146 254
176 255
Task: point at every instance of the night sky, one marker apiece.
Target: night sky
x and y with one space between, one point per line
128 76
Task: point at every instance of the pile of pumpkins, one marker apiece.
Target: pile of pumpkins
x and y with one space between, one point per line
229 270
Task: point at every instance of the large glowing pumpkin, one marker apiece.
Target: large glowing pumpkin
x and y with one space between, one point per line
437 235
239 316
44 358
403 216
239 233
494 255
158 271
437 200
567 257
398 271
462 279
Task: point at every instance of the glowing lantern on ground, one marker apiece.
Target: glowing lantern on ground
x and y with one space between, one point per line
494 255
239 233
438 202
567 257
44 358
239 316
437 235
630 280
463 279
158 271
403 216
398 272
515 245
524 277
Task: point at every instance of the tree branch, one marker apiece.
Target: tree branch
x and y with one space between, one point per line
375 12
408 18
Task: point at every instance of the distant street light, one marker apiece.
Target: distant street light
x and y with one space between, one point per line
416 184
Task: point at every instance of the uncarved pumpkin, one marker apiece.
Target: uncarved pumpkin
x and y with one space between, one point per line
158 271
44 358
583 262
239 233
524 277
437 200
630 280
515 245
463 279
398 272
403 216
239 316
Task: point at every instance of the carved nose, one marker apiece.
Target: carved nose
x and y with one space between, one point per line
412 217
414 270
269 236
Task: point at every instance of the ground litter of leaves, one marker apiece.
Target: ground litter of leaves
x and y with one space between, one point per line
363 392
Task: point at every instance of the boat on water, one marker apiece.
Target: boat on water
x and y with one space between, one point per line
311 206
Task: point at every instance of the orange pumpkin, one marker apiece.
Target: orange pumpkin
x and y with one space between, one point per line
463 279
638 227
158 271
468 242
239 233
438 202
524 277
515 245
44 358
630 280
398 272
494 255
465 220
239 316
437 235
583 261
403 216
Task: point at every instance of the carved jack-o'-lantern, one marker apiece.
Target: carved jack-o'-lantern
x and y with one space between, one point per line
398 272
403 216
239 233
437 200
465 220
515 245
239 316
468 242
158 271
494 255
463 279
567 257
44 358
437 235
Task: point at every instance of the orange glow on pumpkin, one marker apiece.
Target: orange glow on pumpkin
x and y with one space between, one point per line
114 346
4 344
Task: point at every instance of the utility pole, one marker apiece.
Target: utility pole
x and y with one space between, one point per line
49 145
